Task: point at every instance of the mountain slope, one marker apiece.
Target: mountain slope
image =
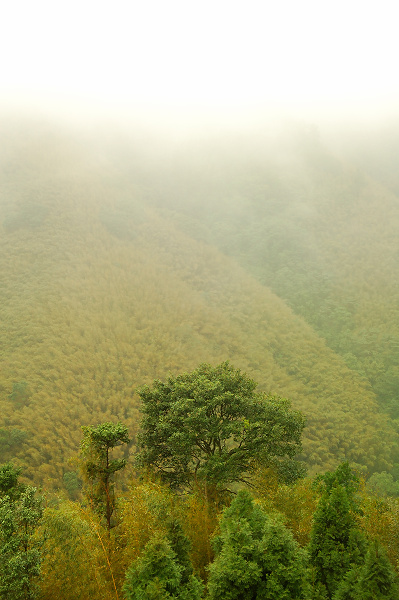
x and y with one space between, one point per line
321 233
101 293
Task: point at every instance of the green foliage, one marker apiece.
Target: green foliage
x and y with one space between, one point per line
79 329
72 484
11 439
343 476
20 556
377 578
75 565
9 485
383 484
257 557
348 588
181 546
20 394
210 427
158 575
97 466
330 536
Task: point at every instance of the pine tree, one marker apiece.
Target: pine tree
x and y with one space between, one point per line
337 547
329 543
180 545
158 574
257 557
155 575
377 578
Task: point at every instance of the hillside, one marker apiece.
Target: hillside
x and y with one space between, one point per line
104 288
321 232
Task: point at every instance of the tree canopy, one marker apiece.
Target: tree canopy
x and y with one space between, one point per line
210 426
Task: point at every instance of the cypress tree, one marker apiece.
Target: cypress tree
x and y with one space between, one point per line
257 557
158 575
180 545
377 577
330 537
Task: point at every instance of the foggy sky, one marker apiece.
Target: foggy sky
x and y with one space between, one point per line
200 62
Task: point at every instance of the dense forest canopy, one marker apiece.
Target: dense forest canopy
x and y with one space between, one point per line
124 258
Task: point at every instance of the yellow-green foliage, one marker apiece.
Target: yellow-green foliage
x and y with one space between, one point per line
297 502
144 511
76 555
380 520
200 520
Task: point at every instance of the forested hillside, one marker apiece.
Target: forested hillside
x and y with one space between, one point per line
120 263
320 231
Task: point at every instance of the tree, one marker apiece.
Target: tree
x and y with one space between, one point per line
383 484
158 575
20 394
257 557
330 538
210 427
378 580
97 466
20 556
343 475
375 579
9 485
180 545
336 544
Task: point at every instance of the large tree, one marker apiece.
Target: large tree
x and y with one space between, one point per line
211 427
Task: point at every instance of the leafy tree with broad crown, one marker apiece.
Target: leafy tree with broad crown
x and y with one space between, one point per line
97 466
210 427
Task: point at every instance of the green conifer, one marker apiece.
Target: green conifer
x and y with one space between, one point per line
157 575
330 538
377 578
257 557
